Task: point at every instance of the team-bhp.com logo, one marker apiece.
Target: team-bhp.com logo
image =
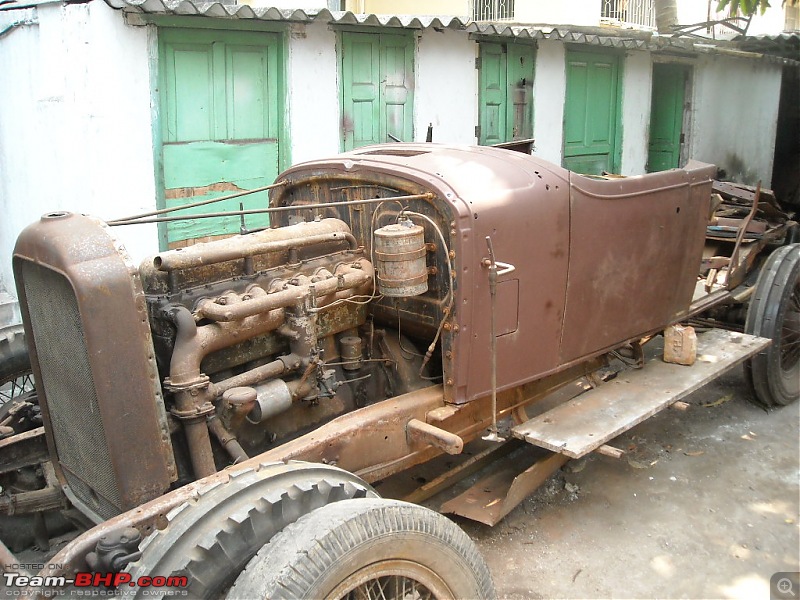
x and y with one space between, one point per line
92 584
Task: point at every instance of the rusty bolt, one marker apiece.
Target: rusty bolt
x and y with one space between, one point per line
432 270
455 328
449 382
448 354
447 326
452 253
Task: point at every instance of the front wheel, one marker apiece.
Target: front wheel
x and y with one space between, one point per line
367 548
774 312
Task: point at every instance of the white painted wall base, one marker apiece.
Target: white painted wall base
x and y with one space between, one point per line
548 100
735 116
637 83
75 133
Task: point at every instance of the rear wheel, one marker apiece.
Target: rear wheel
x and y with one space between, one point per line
367 549
774 312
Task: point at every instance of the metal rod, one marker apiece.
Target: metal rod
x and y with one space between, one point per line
493 435
277 209
161 211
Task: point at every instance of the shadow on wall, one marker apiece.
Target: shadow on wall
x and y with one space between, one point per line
735 169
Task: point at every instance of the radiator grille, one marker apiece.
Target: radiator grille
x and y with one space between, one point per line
69 387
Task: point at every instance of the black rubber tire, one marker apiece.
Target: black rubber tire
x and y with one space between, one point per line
774 312
14 360
212 538
373 542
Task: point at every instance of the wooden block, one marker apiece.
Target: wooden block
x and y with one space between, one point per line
607 450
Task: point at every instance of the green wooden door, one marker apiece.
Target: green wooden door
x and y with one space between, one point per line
505 109
377 89
666 116
592 113
220 124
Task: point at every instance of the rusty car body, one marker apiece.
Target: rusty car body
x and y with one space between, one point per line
336 336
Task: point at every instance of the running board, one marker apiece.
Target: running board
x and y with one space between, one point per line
585 423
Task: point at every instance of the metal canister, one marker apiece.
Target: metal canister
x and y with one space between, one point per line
351 349
400 259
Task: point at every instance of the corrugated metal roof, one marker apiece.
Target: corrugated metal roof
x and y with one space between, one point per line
243 11
784 44
604 36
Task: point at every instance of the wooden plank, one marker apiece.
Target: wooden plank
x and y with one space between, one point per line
590 420
496 495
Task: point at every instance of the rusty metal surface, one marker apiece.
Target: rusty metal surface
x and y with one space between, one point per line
614 240
370 442
635 250
496 495
111 308
23 449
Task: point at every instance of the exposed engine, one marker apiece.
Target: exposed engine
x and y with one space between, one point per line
259 338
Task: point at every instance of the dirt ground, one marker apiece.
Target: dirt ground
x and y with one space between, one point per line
706 504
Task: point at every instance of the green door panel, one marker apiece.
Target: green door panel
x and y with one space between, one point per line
194 167
188 94
220 115
377 88
397 76
360 89
493 94
505 109
666 117
592 113
521 64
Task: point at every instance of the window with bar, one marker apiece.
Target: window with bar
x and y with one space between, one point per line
632 13
493 10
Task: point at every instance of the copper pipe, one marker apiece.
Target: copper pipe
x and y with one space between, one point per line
252 244
270 370
194 343
228 440
346 277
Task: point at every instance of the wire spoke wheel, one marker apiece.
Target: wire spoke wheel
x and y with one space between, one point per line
367 549
774 312
14 386
392 580
790 333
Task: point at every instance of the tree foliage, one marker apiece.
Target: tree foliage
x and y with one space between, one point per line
748 7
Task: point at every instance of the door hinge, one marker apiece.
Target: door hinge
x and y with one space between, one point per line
478 62
478 131
683 138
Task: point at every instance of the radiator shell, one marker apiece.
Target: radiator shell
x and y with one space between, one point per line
86 323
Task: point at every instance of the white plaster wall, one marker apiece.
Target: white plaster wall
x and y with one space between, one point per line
637 82
735 116
75 129
446 87
549 87
558 12
313 92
